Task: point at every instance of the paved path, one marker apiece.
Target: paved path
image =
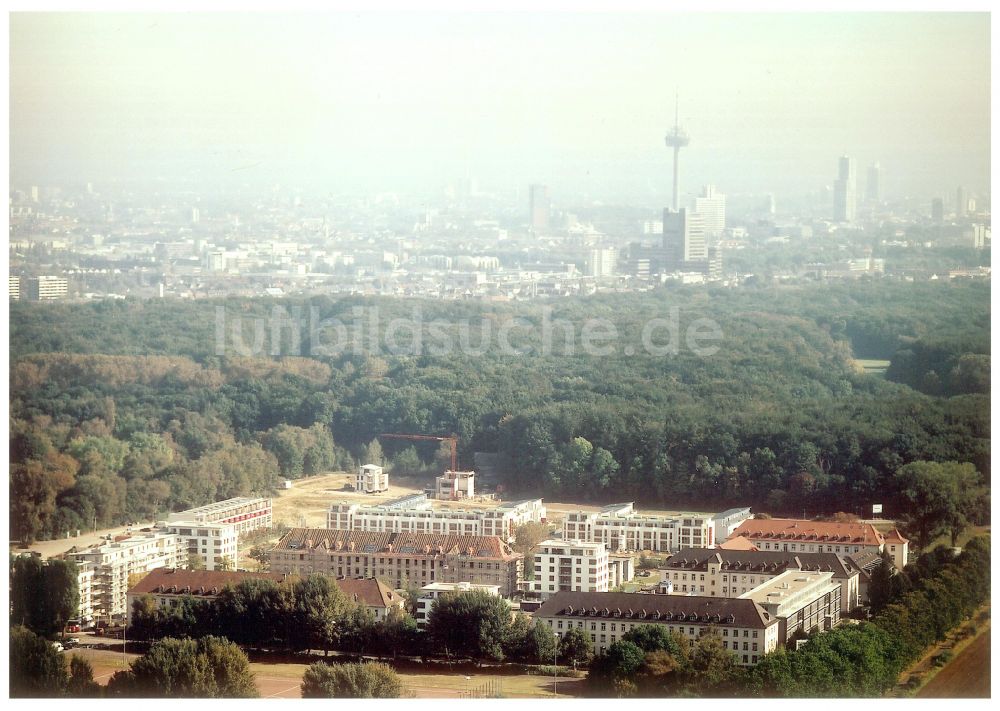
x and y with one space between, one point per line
48 549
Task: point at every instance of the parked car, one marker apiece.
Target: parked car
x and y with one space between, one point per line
71 642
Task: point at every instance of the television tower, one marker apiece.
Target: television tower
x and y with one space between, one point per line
676 139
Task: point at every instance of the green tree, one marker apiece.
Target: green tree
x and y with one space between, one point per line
528 535
261 554
319 606
81 684
206 668
936 498
398 633
615 670
196 561
713 668
373 454
367 680
62 592
471 624
36 668
576 647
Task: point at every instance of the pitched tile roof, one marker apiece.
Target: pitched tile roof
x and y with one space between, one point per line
195 582
771 562
790 529
371 592
386 543
895 535
730 612
740 543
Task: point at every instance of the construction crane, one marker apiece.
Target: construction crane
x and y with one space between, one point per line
452 441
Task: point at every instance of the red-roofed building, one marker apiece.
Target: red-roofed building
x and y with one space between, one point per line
802 536
403 559
737 543
167 585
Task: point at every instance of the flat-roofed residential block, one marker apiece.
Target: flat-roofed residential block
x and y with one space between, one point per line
415 514
371 479
621 528
245 513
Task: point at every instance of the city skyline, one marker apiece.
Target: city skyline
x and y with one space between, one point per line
403 101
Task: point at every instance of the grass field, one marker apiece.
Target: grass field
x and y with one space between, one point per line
872 367
969 533
283 680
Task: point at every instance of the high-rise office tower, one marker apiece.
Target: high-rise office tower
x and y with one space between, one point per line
602 262
961 202
711 205
845 192
676 139
683 238
539 207
937 211
873 193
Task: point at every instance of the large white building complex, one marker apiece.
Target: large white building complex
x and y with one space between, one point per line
621 528
575 566
211 532
371 479
244 513
113 563
415 514
726 522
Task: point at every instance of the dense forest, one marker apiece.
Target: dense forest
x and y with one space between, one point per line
121 410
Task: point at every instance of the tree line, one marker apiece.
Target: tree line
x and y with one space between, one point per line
780 417
313 614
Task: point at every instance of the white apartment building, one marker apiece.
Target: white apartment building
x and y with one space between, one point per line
216 543
415 514
621 528
371 479
85 584
113 563
569 566
430 593
47 288
455 485
727 521
806 601
711 205
745 628
245 513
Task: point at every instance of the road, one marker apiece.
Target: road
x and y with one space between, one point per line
967 676
48 549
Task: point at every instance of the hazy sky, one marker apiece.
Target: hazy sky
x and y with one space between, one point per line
580 102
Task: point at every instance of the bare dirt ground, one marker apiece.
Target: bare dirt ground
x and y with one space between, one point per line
307 502
967 676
